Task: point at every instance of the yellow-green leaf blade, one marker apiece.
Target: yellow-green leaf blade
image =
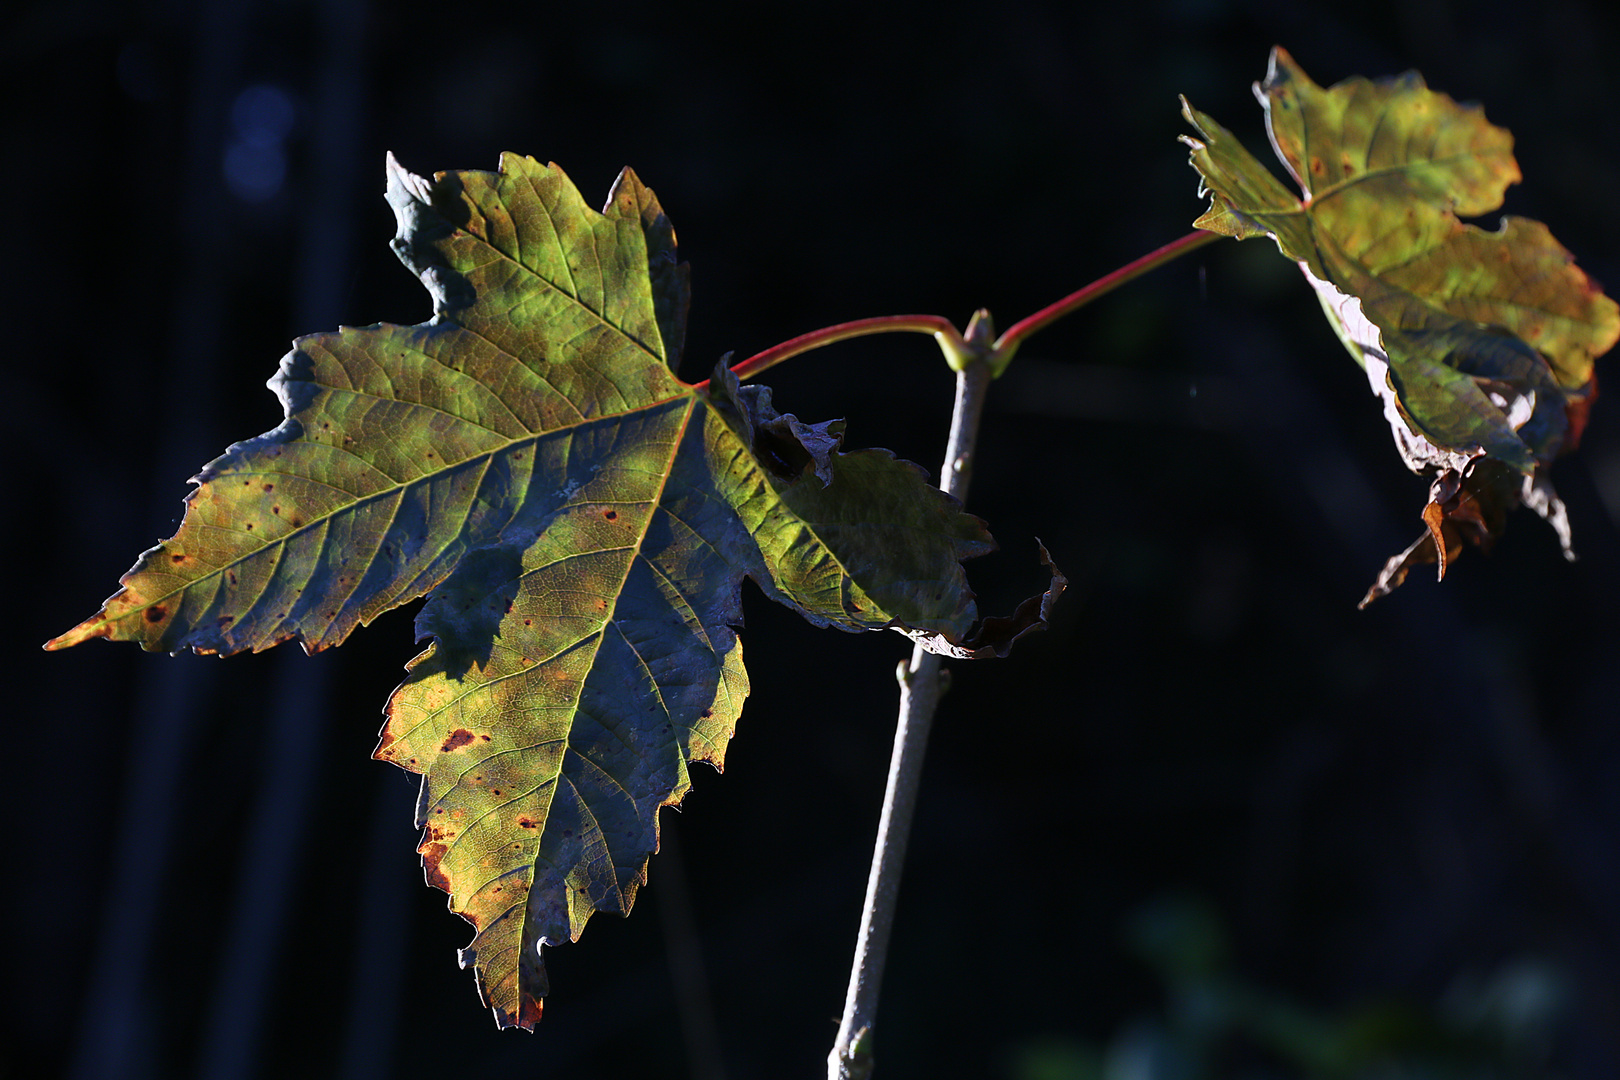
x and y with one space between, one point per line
1523 280
1480 343
1245 200
570 683
573 679
404 447
1394 141
582 521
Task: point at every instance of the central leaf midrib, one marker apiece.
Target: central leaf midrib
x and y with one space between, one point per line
654 504
397 488
598 634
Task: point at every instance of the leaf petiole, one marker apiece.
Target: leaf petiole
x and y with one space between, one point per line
948 337
962 351
1008 343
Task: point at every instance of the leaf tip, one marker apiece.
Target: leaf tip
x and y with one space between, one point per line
404 183
527 1018
993 636
1280 67
1190 114
90 628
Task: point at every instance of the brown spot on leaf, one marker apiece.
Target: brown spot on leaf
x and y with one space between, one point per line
275 509
528 1015
611 515
177 558
155 613
527 823
458 738
432 854
269 487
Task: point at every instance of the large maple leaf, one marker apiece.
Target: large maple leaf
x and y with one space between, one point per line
1479 343
583 521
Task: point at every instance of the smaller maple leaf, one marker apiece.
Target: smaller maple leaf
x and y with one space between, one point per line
1480 344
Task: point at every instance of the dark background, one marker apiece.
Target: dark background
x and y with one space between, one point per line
1403 822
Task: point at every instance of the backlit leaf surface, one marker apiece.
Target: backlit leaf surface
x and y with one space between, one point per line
1479 343
583 521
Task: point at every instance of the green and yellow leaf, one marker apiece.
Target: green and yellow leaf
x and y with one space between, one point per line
581 521
1480 343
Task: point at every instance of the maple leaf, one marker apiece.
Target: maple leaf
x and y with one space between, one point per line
583 521
1480 344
